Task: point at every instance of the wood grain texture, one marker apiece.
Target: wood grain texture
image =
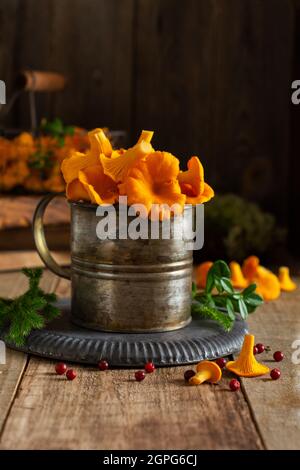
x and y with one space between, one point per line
91 43
12 260
111 411
16 214
17 211
161 412
213 84
11 285
10 376
154 413
276 404
9 15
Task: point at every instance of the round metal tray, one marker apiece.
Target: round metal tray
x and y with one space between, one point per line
201 339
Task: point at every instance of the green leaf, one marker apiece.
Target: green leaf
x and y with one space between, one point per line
221 269
218 285
242 309
226 284
254 300
230 309
249 290
210 281
194 290
237 296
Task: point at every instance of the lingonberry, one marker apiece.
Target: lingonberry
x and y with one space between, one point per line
234 385
189 374
139 375
255 350
149 367
278 356
103 365
275 374
60 368
71 374
221 362
260 348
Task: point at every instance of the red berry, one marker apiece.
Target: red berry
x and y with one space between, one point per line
149 367
275 374
278 356
234 385
221 362
71 374
139 375
60 368
103 365
255 350
189 374
260 348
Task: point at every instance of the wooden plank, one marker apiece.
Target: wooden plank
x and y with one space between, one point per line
12 260
275 404
17 211
9 10
10 376
111 411
81 40
11 285
294 190
16 214
213 79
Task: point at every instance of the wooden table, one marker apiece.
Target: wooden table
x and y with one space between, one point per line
109 410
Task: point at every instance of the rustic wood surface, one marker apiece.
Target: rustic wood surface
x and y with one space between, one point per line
16 213
212 77
109 410
12 260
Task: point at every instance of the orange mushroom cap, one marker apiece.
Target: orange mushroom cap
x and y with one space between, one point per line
249 267
285 281
117 168
201 273
268 285
237 278
206 372
77 162
246 365
146 136
192 183
153 181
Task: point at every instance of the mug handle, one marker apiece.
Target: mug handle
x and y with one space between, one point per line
40 239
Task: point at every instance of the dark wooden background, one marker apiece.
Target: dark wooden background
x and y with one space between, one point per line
211 77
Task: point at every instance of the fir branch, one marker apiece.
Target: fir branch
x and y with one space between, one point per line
29 311
210 312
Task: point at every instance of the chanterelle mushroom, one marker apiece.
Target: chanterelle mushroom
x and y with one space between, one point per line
286 282
206 372
246 365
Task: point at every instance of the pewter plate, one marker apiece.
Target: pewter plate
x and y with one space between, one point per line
201 339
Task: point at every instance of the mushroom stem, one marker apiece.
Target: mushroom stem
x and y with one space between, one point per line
246 365
200 377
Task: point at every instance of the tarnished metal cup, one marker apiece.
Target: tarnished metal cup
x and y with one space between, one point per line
122 285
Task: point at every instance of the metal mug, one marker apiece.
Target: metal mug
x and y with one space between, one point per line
122 285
